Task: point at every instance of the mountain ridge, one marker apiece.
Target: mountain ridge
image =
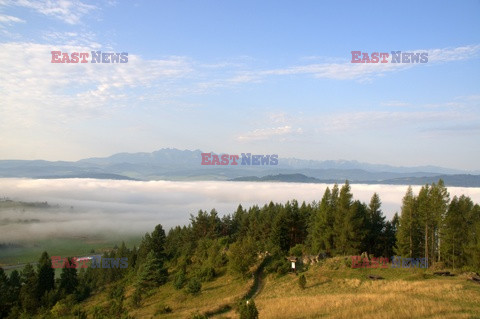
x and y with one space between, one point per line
175 164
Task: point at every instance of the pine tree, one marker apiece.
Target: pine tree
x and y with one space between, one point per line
28 296
152 273
280 238
342 209
68 279
321 226
439 199
4 294
375 227
158 242
46 275
242 255
472 247
408 233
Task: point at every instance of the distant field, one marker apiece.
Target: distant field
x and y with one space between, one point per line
31 251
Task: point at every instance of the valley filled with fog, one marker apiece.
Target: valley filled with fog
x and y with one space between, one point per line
83 207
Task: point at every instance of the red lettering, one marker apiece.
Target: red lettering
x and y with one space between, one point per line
65 58
365 58
366 263
225 159
215 160
55 58
384 57
57 261
205 157
355 58
233 158
356 261
74 57
84 55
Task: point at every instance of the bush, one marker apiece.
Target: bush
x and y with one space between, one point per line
297 250
136 298
194 286
162 309
179 280
248 310
199 316
206 273
278 265
302 281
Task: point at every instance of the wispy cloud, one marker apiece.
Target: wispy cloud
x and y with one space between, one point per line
364 71
5 19
68 11
35 88
394 103
281 132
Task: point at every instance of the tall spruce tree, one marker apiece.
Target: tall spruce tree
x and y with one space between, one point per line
439 199
46 275
321 225
152 273
455 231
408 235
68 279
375 226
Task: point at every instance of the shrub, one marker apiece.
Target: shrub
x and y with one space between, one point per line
179 280
136 298
248 310
279 266
162 309
297 250
207 273
194 286
302 281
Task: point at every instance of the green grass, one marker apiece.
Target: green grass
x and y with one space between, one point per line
65 247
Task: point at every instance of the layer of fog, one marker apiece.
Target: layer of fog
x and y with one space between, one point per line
95 207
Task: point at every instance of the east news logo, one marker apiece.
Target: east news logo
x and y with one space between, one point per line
82 57
397 57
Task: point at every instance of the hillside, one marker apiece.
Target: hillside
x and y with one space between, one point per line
333 290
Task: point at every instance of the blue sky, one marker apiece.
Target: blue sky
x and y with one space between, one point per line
247 76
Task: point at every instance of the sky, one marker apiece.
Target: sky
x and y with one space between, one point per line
266 77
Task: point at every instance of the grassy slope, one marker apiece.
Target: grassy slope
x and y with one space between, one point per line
347 293
221 291
341 293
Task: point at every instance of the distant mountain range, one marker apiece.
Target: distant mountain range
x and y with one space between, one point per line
174 164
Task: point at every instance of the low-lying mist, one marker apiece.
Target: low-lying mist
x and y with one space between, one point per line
96 207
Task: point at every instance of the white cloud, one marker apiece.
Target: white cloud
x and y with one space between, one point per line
267 133
394 103
32 88
69 11
364 71
10 19
453 54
